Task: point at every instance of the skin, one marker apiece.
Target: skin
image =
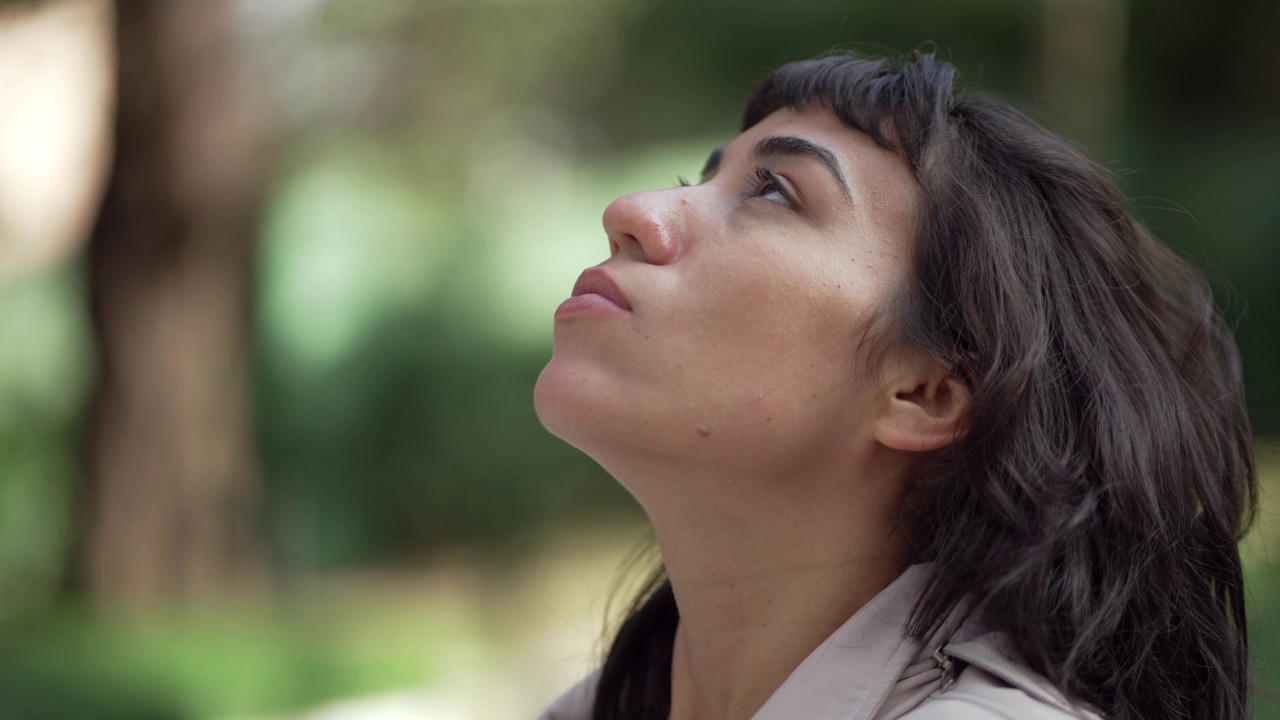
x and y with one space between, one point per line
735 401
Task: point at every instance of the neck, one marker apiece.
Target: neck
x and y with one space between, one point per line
762 580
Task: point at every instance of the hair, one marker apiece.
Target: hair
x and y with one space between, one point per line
1092 511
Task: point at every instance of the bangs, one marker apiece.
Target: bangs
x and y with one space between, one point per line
898 104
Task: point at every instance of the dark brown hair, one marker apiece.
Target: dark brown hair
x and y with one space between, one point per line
1093 509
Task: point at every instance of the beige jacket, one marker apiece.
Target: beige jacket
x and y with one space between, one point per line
869 670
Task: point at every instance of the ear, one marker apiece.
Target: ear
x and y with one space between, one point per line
926 405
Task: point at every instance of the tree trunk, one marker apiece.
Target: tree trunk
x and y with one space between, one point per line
171 478
1082 66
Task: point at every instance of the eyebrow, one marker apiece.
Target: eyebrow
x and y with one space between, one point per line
786 146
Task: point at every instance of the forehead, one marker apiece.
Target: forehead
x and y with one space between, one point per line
882 183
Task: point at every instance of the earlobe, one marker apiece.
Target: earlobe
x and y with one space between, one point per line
926 414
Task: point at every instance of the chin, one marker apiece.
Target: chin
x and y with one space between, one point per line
565 400
591 409
576 406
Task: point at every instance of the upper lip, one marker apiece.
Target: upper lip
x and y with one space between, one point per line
596 281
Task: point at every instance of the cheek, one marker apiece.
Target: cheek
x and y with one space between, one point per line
785 343
792 312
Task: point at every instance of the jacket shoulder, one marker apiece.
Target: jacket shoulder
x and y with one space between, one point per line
979 695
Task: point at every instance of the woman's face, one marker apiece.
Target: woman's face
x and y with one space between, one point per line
724 329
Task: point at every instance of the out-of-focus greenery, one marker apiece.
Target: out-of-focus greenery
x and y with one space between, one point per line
43 379
473 636
398 413
488 630
442 167
229 664
1261 554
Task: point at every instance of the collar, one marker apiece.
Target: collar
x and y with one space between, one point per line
855 670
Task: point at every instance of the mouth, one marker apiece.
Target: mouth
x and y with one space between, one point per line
595 281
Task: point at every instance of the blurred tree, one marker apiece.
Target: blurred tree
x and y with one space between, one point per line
1082 52
171 480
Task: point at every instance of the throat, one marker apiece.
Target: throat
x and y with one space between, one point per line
730 654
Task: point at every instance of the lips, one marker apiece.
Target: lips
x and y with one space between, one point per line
595 281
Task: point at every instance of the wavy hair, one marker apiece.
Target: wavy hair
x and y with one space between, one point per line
1094 507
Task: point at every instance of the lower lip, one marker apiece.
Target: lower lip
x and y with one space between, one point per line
589 305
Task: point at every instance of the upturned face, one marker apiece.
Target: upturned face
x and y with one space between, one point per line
725 329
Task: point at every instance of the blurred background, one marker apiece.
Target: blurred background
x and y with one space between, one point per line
277 276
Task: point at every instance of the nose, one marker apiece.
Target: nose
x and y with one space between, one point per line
644 224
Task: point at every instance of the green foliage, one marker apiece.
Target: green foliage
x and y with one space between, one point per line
400 343
38 695
220 664
43 336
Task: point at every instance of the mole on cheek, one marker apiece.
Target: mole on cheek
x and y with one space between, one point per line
703 431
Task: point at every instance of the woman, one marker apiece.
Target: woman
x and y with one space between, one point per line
926 423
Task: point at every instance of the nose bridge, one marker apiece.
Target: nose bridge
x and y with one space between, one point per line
647 220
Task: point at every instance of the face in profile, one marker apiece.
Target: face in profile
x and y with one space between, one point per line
726 328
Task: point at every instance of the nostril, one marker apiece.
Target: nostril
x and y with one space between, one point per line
613 247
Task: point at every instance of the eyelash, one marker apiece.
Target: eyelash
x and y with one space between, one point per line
762 178
756 181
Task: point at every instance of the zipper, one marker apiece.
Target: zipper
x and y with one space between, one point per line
949 669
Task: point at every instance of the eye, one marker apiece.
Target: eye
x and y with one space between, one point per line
766 186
